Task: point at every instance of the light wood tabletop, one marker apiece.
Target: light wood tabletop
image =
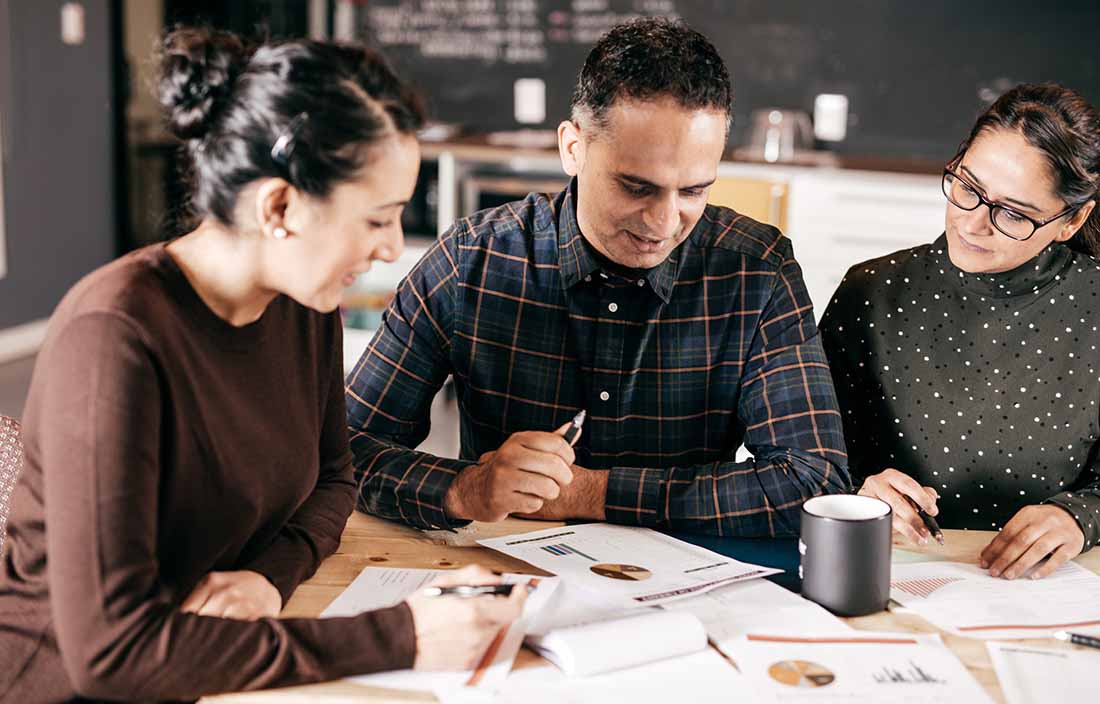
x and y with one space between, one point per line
369 541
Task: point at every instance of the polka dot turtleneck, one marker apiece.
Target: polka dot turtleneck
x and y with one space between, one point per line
982 386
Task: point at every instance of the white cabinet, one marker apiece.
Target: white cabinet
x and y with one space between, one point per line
366 299
839 218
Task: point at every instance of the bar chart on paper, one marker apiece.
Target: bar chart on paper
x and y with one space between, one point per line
966 600
562 549
913 674
923 588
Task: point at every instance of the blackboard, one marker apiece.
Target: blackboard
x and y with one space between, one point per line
916 72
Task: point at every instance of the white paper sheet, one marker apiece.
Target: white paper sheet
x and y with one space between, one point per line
646 636
868 667
379 587
704 677
1030 675
759 605
570 605
964 599
626 566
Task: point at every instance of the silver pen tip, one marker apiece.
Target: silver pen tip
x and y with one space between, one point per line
578 420
1061 635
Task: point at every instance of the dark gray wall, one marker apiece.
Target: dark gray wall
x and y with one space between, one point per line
59 193
916 72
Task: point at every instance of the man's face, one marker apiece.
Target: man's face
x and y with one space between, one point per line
643 179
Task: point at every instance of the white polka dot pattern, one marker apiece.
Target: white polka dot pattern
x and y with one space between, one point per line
11 462
984 387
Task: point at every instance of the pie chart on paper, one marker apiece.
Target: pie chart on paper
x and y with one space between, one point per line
800 673
630 573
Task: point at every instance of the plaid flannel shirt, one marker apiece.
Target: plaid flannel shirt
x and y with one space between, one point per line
676 366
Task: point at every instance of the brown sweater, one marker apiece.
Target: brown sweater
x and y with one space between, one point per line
163 443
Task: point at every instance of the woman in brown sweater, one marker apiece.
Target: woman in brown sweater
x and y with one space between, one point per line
186 454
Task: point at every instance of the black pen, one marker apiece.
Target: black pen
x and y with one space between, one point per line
929 522
1078 639
574 430
465 591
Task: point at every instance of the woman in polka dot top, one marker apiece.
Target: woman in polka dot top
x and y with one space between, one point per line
967 369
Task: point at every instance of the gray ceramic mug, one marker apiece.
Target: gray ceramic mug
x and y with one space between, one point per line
845 551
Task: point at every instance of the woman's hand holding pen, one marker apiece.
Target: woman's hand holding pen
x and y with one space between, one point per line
899 490
453 633
529 469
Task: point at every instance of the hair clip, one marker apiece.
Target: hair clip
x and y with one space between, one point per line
284 145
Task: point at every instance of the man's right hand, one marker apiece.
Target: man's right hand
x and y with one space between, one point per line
893 487
529 468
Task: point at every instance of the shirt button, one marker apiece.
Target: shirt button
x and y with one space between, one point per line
613 307
588 278
641 282
604 395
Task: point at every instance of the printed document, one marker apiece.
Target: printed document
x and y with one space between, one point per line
379 587
1030 675
704 677
964 599
627 567
861 667
757 606
584 636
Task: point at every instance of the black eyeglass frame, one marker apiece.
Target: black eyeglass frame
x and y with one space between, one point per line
982 200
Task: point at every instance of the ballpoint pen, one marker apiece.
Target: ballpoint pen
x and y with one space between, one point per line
1078 639
466 591
929 522
574 430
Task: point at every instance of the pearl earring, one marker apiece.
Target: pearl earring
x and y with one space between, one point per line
279 233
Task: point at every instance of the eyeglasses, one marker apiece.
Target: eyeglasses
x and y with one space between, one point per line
1009 222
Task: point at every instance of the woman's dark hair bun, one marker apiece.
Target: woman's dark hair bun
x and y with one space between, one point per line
198 67
232 103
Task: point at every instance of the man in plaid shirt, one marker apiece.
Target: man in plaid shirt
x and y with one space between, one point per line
683 329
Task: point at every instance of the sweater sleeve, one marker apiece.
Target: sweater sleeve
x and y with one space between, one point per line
313 532
118 626
390 392
1083 502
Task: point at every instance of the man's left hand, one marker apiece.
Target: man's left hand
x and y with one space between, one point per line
1033 533
583 498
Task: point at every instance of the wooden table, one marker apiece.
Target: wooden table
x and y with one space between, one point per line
369 541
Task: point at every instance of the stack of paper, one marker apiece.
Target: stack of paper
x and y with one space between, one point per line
628 603
964 599
603 617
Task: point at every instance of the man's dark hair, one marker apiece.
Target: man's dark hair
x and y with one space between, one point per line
648 58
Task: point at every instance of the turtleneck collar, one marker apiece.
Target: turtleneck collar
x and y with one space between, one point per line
1029 278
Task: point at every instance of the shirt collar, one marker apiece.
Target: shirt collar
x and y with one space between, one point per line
1034 275
579 261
